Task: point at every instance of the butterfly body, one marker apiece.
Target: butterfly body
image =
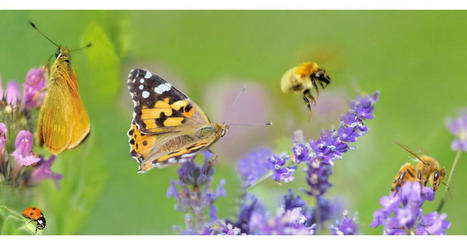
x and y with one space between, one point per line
63 121
167 126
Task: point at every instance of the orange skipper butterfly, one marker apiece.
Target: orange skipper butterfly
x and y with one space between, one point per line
63 121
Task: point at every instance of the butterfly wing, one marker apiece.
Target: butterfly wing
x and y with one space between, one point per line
63 120
165 122
159 107
53 128
80 118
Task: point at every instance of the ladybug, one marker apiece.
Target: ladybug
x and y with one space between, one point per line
34 214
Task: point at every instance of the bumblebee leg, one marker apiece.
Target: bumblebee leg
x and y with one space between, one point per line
308 98
313 81
323 83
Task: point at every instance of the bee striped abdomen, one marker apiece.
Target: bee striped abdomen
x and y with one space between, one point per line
406 173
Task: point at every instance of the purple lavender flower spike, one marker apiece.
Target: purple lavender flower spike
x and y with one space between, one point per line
22 153
42 171
33 94
193 193
402 213
458 127
228 229
346 226
254 166
286 222
250 205
280 173
291 201
12 93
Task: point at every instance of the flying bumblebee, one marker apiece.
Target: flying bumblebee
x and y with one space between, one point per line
426 170
305 78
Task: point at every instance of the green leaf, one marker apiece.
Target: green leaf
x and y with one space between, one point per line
103 79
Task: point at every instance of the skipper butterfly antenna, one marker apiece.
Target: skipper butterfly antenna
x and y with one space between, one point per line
85 47
37 29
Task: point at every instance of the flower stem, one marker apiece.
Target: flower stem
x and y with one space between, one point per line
262 179
266 176
451 173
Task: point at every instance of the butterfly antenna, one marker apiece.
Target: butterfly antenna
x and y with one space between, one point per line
37 29
410 151
77 49
236 98
251 124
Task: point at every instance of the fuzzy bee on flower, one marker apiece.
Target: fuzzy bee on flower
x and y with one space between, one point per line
426 170
305 78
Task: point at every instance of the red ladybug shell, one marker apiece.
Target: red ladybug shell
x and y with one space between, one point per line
32 213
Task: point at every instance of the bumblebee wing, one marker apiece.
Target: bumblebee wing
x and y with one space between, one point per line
53 128
80 119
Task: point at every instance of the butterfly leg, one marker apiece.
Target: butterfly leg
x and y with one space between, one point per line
36 96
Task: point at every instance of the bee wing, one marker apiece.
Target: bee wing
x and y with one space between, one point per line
411 152
80 118
53 128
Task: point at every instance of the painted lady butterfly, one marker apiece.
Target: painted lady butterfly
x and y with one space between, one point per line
167 126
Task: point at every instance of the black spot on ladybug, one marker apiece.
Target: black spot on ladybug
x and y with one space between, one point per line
132 141
131 132
30 214
33 209
133 153
145 142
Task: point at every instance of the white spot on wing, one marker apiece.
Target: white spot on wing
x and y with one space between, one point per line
162 88
188 155
148 75
141 87
145 94
141 80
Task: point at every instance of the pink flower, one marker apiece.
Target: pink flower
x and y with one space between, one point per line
12 93
43 171
23 154
33 95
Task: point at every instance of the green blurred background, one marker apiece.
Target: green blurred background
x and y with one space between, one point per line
415 58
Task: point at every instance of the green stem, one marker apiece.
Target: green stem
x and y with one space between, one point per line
451 173
262 179
266 176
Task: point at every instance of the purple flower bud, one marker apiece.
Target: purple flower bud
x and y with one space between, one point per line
22 153
12 93
43 171
458 127
33 95
346 226
254 165
402 212
279 172
300 152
